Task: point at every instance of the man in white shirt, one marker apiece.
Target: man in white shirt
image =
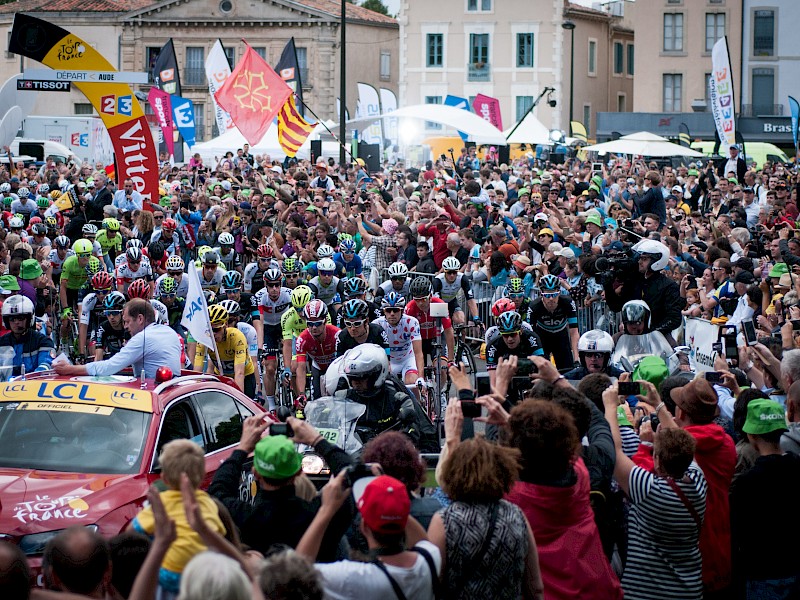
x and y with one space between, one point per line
127 199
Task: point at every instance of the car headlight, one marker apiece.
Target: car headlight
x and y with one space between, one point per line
34 543
313 464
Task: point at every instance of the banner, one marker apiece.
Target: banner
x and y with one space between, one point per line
488 109
458 102
389 104
721 93
579 131
293 130
795 111
120 111
183 116
684 139
253 95
166 77
289 70
162 107
217 72
701 335
195 313
346 112
369 105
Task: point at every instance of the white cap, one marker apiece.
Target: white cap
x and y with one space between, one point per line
565 252
541 217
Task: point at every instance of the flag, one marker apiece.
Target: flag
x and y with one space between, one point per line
389 104
684 139
795 110
289 70
579 131
369 105
253 95
167 78
162 107
488 109
183 116
458 102
293 130
111 171
217 72
721 92
195 313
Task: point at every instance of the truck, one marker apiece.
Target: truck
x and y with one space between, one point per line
85 137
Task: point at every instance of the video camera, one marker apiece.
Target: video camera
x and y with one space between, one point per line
616 264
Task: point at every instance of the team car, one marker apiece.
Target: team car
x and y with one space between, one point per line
84 450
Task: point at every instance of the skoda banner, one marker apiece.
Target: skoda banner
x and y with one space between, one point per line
135 152
700 335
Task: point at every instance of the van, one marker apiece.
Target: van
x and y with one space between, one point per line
42 150
756 152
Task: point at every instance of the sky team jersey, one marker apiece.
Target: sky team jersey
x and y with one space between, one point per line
563 317
183 285
215 281
125 276
322 352
529 344
448 291
427 324
250 335
233 350
270 310
400 336
56 261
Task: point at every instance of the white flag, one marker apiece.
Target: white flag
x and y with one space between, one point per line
217 71
721 90
195 313
369 105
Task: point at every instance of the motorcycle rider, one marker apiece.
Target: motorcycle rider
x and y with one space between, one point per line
638 339
32 350
594 350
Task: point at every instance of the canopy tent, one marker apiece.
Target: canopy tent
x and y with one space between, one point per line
478 129
645 144
530 131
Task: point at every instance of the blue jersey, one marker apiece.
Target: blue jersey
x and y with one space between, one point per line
351 268
35 351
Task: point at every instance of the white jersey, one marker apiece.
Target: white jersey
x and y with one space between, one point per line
183 284
231 260
400 336
448 291
387 287
324 293
88 305
56 262
272 310
215 281
252 271
162 314
125 276
250 335
494 332
122 259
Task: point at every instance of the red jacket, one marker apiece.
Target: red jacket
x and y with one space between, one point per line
439 235
571 555
716 455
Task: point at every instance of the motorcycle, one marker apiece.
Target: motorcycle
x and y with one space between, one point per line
335 418
631 349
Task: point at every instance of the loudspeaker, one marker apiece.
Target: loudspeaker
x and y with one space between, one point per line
503 154
316 150
371 155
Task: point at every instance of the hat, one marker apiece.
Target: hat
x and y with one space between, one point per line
389 226
630 181
786 281
652 369
745 277
748 190
541 217
8 284
764 416
546 231
270 192
566 253
312 208
609 222
594 218
521 261
546 177
694 172
523 192
245 206
31 269
321 166
226 185
555 248
733 180
744 263
275 457
676 188
383 503
778 269
276 169
697 399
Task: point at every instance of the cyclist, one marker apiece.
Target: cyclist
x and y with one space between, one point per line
398 281
227 254
293 323
348 258
292 276
358 329
132 243
272 301
110 241
73 273
232 351
91 310
167 289
231 289
168 236
212 273
38 238
502 305
33 350
111 335
141 289
447 286
93 267
22 206
234 312
17 225
594 349
513 341
175 268
60 252
355 287
318 343
132 269
421 290
254 272
323 252
89 232
515 290
405 341
326 285
555 319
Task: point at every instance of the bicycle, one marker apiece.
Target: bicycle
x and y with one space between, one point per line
433 395
464 354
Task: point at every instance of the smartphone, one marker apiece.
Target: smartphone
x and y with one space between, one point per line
629 388
795 324
597 167
749 329
471 409
281 429
713 376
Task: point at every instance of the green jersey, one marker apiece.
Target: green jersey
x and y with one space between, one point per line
73 273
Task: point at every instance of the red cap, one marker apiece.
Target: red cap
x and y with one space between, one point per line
385 505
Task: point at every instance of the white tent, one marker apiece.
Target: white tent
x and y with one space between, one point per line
530 131
645 144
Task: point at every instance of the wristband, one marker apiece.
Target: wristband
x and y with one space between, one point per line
659 407
467 395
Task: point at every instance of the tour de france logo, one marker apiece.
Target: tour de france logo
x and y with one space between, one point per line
70 50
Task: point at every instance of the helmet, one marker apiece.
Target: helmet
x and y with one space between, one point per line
134 243
503 305
61 241
347 246
393 300
55 194
89 229
398 270
549 283
133 255
451 264
515 286
33 219
509 322
226 239
355 309
51 222
203 250
655 250
7 200
273 276
5 188
217 315
316 310
324 251
210 258
175 263
42 202
114 301
232 306
82 247
93 266
231 280
340 237
596 340
139 289
636 311
290 265
301 295
102 281
354 286
326 264
170 225
111 224
16 223
17 305
420 287
38 229
263 251
43 189
23 192
210 297
367 361
167 286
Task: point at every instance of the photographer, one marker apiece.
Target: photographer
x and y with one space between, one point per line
650 284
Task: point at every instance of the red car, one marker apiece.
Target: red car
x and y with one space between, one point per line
84 450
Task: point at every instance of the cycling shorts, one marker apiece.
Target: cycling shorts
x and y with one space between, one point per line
404 365
273 340
453 307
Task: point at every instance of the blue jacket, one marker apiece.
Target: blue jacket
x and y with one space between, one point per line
36 351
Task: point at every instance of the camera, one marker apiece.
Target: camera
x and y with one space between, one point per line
525 367
355 472
281 429
616 264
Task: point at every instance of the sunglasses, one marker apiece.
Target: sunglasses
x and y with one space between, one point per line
717 269
451 272
217 329
174 273
326 273
392 310
315 323
104 292
262 259
422 298
550 294
354 323
112 313
510 334
291 275
402 278
158 218
517 295
273 285
171 295
83 254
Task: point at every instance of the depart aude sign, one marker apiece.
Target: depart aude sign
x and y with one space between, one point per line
86 76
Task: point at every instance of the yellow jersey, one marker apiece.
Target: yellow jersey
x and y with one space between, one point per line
233 350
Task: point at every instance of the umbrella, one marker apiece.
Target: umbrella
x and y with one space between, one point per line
644 144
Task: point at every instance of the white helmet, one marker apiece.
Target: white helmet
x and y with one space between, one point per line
5 188
398 270
367 361
43 189
16 223
226 239
23 192
596 341
17 305
636 311
326 264
451 264
656 250
324 251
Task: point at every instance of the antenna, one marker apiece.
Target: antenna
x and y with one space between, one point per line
144 349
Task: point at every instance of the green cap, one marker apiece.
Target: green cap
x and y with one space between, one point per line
246 192
275 457
536 182
778 269
764 416
523 192
597 180
595 187
8 284
733 180
652 369
374 190
594 218
270 192
30 269
694 172
622 418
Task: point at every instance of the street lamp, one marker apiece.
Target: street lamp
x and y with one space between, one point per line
570 26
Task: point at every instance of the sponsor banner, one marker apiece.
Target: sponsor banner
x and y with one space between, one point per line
162 107
458 102
488 109
183 117
217 72
136 155
389 104
39 85
721 88
369 105
700 335
86 76
64 393
795 110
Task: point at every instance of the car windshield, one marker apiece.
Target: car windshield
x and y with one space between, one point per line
70 438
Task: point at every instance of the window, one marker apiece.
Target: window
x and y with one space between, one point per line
763 33
261 51
479 5
763 92
230 54
619 58
433 100
523 105
715 29
587 117
195 73
199 122
673 32
222 419
84 108
179 423
386 65
707 87
630 60
592 57
302 62
524 50
673 91
479 48
621 103
150 56
8 43
435 50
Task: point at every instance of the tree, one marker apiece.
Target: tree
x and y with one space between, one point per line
376 6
